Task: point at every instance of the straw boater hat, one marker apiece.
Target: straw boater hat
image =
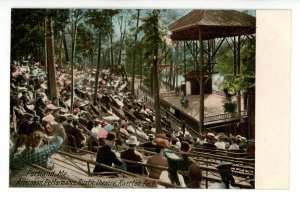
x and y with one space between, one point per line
124 131
48 118
52 107
132 141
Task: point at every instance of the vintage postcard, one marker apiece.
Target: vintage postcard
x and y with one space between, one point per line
135 98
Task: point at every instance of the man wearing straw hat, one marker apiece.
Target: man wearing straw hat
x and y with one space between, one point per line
133 155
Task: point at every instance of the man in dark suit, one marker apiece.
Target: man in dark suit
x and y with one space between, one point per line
106 155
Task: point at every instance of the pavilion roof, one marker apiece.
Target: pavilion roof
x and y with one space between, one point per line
213 24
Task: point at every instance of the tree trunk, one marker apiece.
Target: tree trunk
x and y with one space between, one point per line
59 52
46 59
92 60
98 68
123 33
111 45
74 34
51 61
141 65
65 46
134 54
156 93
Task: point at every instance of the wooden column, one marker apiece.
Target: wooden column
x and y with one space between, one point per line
176 68
201 82
184 60
238 72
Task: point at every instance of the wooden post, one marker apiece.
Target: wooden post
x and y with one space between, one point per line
184 60
195 58
234 57
176 68
89 169
201 82
238 63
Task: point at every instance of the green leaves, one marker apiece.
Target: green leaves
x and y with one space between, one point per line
239 83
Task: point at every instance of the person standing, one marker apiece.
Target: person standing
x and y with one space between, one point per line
36 153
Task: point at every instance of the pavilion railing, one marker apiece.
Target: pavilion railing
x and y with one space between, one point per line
215 118
225 116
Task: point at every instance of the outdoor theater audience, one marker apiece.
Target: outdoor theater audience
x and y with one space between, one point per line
43 127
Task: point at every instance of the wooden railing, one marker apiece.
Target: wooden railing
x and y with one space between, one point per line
167 94
89 162
209 119
225 116
207 169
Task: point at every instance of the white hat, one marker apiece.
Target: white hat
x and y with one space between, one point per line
132 141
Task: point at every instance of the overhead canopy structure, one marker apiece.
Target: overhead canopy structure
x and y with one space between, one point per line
208 25
212 24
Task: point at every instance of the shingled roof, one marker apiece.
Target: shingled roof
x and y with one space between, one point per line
213 24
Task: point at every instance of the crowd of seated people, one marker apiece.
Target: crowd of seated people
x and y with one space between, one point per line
112 126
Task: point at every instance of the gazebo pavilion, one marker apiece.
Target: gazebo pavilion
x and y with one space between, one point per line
208 30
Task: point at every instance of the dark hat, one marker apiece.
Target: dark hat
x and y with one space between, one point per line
111 136
62 118
151 136
185 146
224 165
